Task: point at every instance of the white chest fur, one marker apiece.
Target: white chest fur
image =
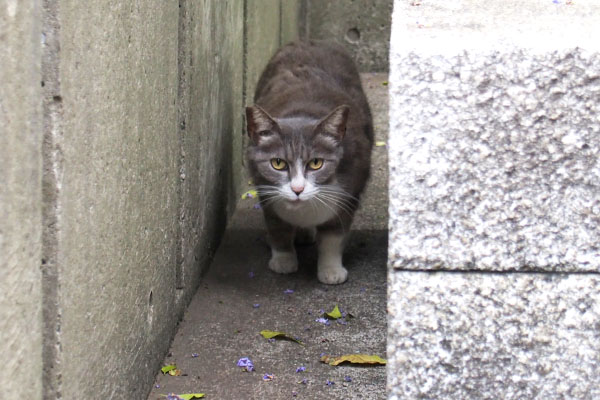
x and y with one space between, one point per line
304 214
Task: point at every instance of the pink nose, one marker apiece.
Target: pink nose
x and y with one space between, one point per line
297 189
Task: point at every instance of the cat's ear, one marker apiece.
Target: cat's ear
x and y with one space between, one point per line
259 123
334 124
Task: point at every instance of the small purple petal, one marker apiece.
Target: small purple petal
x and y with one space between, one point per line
157 386
272 340
257 206
246 363
294 394
301 369
322 320
322 354
195 355
304 381
347 379
329 383
251 274
256 305
341 322
288 291
268 377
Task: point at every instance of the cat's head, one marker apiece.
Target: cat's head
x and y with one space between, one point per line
295 159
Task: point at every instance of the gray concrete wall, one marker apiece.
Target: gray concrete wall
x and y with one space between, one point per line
361 26
122 128
20 200
494 200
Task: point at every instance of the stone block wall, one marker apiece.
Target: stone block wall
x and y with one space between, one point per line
20 200
494 200
122 127
361 26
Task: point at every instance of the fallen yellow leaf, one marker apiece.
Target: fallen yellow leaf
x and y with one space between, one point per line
281 335
354 359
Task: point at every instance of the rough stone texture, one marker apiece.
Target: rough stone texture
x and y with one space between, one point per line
496 147
493 336
118 197
361 26
20 205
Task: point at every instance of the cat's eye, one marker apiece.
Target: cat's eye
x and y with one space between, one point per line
315 163
278 164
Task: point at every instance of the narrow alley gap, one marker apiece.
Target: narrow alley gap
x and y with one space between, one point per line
239 296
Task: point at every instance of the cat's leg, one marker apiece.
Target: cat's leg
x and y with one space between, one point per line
306 236
331 246
281 239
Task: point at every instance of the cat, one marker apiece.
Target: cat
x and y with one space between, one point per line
309 150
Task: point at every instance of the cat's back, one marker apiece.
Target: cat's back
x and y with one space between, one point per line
310 76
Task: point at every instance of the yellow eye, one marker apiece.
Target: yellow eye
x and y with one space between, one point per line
315 163
278 164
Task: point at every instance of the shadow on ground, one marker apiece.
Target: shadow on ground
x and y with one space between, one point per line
240 296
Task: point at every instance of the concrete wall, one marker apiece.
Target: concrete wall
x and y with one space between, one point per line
494 200
108 223
361 26
20 200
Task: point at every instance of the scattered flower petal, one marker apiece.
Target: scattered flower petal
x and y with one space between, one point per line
257 206
250 194
256 305
288 291
347 379
303 381
322 320
329 383
268 377
195 355
246 364
301 369
251 274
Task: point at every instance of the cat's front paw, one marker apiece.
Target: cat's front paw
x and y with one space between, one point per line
283 262
332 274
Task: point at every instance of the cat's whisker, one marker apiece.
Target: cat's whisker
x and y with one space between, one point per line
330 208
337 204
340 201
337 190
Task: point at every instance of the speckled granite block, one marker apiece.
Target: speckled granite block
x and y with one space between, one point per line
493 336
495 135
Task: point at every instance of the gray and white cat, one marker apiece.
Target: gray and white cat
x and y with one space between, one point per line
309 152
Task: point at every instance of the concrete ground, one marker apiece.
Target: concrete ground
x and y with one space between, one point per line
239 296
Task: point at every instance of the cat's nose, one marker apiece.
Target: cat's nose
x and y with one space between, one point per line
297 189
